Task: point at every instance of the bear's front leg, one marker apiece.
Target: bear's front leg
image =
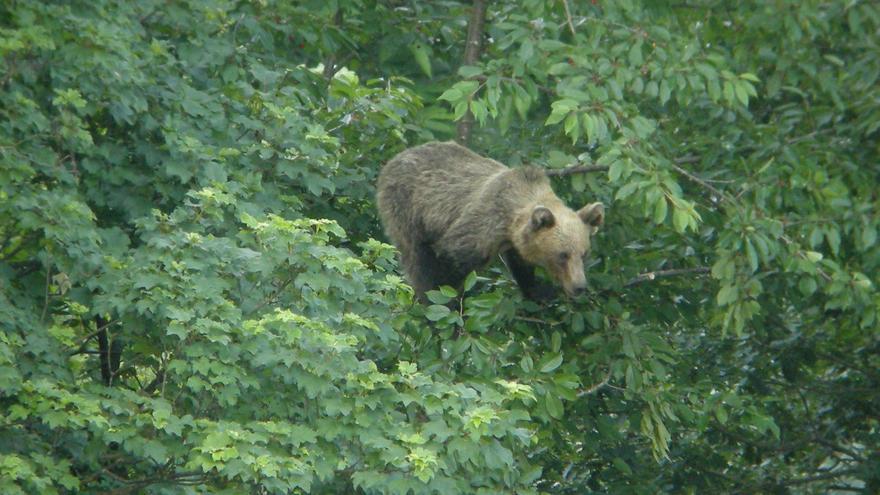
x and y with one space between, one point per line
428 270
525 278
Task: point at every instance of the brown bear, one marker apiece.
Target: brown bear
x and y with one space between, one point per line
449 211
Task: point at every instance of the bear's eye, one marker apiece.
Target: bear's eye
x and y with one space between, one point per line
563 257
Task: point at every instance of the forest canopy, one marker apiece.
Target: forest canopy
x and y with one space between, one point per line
196 295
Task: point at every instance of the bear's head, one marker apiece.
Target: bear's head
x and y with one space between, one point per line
557 238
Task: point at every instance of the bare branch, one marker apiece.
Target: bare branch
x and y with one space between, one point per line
330 65
687 159
85 340
646 277
471 55
46 302
537 320
568 16
597 386
830 475
839 449
584 169
720 195
575 169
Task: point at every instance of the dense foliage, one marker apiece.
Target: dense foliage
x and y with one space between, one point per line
196 299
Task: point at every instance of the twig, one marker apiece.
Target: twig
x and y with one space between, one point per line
544 89
576 169
471 55
85 340
110 352
330 61
800 253
687 159
158 380
143 20
272 297
820 477
645 277
21 244
839 449
337 66
46 302
583 169
597 386
568 16
701 182
537 320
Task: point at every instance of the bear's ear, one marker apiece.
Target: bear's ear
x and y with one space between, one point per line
593 215
542 218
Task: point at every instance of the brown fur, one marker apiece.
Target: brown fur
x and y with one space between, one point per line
449 211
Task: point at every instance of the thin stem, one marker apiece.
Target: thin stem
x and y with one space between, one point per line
568 17
472 50
576 169
645 277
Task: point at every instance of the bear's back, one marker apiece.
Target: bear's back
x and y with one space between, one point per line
440 165
430 185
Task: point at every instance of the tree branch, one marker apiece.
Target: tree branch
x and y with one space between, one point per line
597 386
110 351
471 55
645 277
575 169
568 17
830 475
694 178
85 340
330 65
584 169
46 301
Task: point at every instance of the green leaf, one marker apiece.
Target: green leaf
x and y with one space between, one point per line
727 295
550 362
421 54
752 255
622 466
469 281
869 236
729 92
742 93
832 236
807 286
452 94
680 219
554 406
615 170
521 101
526 363
665 91
627 190
436 312
813 256
561 109
721 414
615 88
660 210
440 296
468 71
478 108
652 89
635 54
572 126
